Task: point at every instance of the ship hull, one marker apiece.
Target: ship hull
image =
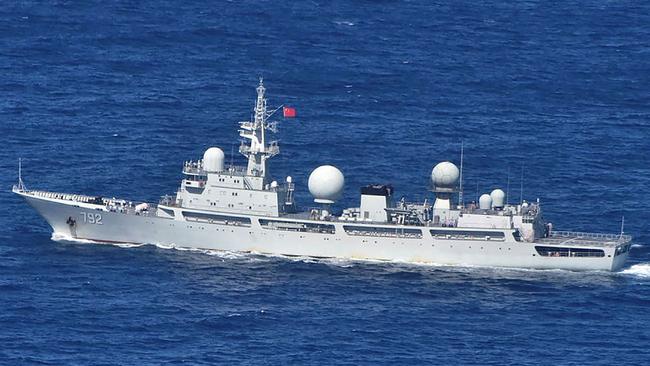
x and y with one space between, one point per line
98 225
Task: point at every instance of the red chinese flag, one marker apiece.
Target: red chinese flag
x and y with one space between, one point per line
289 112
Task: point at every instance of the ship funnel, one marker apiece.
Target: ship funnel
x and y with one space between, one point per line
485 202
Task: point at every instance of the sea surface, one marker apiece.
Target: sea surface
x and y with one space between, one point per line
110 97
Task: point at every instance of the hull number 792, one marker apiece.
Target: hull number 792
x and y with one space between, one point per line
92 218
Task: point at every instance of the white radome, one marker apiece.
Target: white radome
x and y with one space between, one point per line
485 202
445 175
213 159
498 198
326 184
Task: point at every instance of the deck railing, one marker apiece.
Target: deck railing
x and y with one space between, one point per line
590 236
240 171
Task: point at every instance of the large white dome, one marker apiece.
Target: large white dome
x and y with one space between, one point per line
213 159
498 198
445 175
485 202
326 184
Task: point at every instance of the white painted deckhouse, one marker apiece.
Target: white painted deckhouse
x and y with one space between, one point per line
241 208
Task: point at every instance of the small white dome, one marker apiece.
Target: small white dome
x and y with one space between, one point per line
445 175
213 159
498 198
326 184
485 202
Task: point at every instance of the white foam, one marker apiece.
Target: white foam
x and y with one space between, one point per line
163 246
639 270
65 238
225 254
60 237
344 22
125 245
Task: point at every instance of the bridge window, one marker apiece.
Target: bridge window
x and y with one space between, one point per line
167 211
622 250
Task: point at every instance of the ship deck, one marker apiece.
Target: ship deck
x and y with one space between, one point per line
574 239
97 202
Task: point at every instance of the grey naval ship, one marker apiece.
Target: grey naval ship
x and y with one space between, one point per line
241 208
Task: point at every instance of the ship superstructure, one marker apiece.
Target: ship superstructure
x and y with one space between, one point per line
241 208
209 185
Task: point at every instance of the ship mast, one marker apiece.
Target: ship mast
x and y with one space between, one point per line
257 150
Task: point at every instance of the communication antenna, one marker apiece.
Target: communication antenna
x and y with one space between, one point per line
622 225
232 155
476 192
460 194
508 187
21 186
521 188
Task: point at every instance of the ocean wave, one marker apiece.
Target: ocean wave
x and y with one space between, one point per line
224 254
344 22
641 270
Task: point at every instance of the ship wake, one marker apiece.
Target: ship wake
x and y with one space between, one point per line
641 270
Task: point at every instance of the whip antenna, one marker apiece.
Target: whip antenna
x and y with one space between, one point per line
521 188
460 194
21 185
622 225
508 187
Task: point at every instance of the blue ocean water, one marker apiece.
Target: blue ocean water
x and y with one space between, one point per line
109 98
